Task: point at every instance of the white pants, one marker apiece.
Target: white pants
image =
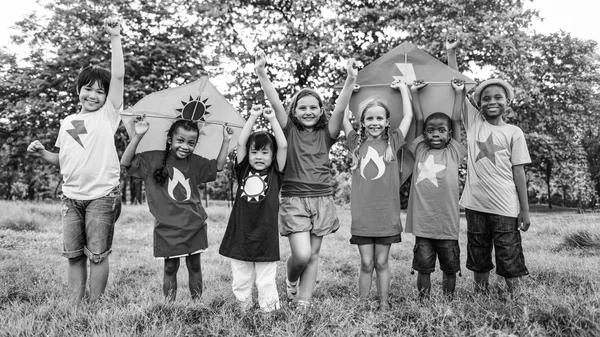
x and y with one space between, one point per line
263 273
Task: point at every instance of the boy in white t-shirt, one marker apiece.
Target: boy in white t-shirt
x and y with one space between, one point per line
90 168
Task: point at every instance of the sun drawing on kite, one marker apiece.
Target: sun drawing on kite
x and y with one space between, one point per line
194 110
254 187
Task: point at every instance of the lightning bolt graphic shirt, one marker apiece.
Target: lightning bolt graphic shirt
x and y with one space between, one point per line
252 232
375 195
492 152
433 210
180 226
88 157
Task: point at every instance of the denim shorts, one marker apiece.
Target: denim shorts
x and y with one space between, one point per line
367 240
316 215
88 225
426 250
486 231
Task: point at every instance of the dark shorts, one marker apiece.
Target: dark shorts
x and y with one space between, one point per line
486 231
88 225
381 240
426 250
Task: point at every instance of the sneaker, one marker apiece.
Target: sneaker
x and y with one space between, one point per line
292 290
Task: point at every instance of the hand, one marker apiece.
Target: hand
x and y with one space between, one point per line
269 114
351 69
452 41
260 60
141 125
256 110
112 26
397 84
418 85
458 84
227 132
35 148
523 221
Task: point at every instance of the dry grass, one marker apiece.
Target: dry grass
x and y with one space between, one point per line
561 297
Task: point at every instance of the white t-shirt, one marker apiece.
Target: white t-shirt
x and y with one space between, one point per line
88 157
492 152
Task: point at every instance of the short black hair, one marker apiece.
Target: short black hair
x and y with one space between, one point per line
91 74
261 139
438 115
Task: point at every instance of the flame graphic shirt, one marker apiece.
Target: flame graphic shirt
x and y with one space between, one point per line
492 152
88 157
375 194
433 210
180 226
252 232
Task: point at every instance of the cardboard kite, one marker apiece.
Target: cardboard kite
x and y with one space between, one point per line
199 101
407 63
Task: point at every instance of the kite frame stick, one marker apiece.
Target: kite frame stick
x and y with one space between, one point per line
175 118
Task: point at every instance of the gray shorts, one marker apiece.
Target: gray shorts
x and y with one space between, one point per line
316 215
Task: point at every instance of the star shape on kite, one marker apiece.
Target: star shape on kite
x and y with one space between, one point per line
429 170
488 149
254 186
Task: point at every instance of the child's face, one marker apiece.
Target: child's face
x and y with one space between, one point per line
183 142
260 159
375 121
493 102
437 133
92 97
308 112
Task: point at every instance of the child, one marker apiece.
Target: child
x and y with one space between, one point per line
495 193
180 227
251 239
307 212
89 166
433 212
375 184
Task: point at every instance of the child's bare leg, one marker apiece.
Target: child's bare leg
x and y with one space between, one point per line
77 277
367 265
170 278
195 275
308 279
98 278
449 284
382 252
424 284
300 247
482 281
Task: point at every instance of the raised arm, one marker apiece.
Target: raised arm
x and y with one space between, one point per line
451 45
37 149
141 127
117 65
255 111
260 61
407 112
459 97
281 154
346 124
416 104
222 156
335 122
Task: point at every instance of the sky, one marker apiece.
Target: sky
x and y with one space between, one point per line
574 16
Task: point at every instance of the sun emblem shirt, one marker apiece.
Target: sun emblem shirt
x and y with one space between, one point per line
492 152
88 157
176 206
375 192
433 210
252 231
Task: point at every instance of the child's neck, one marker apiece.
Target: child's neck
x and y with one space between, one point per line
495 120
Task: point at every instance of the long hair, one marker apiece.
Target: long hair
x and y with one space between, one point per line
91 74
291 108
365 105
161 174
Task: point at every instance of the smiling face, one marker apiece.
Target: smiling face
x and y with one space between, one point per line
260 159
374 119
437 133
183 142
493 103
308 111
92 97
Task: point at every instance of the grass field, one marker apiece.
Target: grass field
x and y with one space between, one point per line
561 297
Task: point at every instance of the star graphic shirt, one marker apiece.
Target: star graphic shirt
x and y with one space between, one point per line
88 157
492 152
252 232
180 226
375 194
433 210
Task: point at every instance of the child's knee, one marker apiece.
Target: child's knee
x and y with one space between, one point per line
367 266
171 267
381 264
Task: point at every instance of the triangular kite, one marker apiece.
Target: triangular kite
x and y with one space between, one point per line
407 63
199 101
